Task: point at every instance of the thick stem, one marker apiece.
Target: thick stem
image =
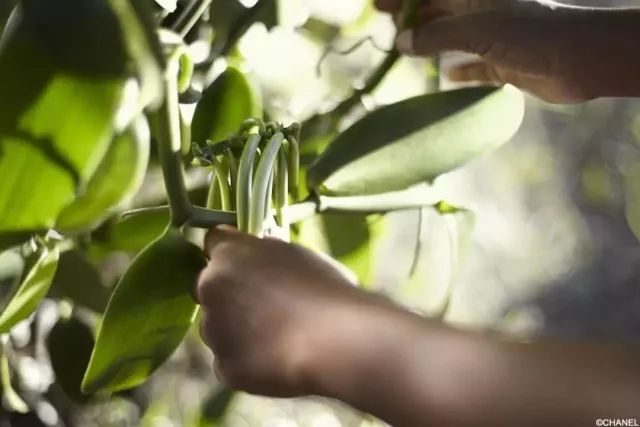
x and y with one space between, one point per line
319 124
207 218
169 148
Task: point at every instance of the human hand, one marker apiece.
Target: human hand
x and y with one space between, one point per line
555 52
271 311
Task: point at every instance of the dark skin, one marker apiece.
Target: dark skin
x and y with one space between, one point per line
284 321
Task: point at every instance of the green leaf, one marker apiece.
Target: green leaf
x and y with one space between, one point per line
148 315
65 100
416 140
349 238
118 177
225 104
32 289
6 7
70 343
78 280
137 24
133 233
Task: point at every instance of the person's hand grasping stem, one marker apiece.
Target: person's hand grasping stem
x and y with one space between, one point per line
558 53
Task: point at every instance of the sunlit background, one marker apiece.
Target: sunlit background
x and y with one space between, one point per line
545 245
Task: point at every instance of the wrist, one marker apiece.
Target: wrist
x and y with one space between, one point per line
355 346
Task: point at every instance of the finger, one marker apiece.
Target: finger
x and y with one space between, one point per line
206 332
216 334
219 371
219 234
388 5
468 33
475 72
229 372
213 285
194 291
425 13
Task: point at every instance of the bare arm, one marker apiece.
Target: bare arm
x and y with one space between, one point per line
413 372
284 322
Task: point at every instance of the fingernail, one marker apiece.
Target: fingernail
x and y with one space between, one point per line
404 41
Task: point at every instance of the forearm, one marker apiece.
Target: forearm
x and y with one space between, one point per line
413 372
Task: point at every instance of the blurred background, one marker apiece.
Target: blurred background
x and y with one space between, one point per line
542 244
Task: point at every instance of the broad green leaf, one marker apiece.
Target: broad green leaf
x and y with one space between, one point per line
65 98
149 313
78 280
416 140
225 104
133 233
349 238
349 241
31 291
139 30
119 176
6 6
70 343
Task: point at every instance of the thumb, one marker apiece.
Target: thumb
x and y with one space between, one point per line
218 235
470 33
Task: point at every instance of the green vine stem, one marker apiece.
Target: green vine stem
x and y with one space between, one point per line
321 124
200 217
380 203
207 218
169 146
190 17
260 192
